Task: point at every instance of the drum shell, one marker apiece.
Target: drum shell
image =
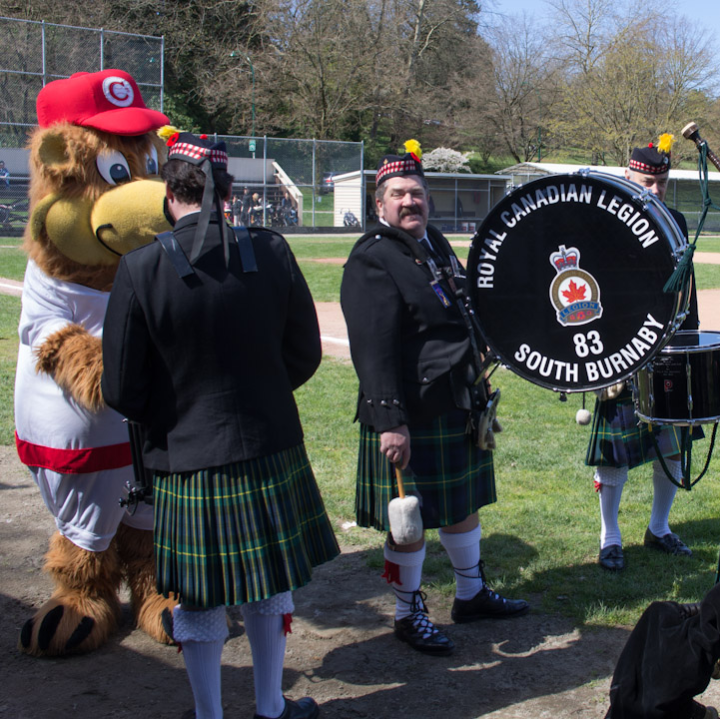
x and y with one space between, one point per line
515 292
681 385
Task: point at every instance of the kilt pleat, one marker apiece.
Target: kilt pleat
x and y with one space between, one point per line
618 439
450 475
241 532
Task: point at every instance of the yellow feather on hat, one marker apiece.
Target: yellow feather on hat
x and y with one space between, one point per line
167 131
413 147
665 142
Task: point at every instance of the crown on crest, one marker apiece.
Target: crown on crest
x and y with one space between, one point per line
565 259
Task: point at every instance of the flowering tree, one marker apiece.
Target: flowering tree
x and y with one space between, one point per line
443 159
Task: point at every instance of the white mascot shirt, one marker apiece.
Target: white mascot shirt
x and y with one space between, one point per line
80 459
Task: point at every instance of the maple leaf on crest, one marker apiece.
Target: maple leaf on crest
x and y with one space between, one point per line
574 293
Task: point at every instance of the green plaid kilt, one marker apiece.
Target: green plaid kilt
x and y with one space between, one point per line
241 532
619 439
451 477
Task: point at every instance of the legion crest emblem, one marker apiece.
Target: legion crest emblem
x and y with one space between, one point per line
574 293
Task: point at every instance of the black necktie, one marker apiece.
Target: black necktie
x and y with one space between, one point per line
430 251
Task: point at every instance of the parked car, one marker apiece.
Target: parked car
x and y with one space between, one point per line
328 183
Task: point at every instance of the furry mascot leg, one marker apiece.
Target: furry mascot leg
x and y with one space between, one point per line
83 610
136 552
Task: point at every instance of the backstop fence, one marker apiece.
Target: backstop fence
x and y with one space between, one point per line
285 182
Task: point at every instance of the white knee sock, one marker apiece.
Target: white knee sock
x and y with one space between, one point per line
410 575
663 495
267 643
464 552
202 634
611 481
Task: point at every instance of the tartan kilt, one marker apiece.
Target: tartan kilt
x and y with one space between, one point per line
619 439
240 532
451 477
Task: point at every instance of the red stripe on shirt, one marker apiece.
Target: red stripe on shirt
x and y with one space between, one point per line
74 461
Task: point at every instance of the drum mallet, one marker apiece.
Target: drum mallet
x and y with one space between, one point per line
404 515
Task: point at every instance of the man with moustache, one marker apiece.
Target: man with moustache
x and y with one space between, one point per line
416 356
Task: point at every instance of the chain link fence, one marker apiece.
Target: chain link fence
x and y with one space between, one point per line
35 53
290 183
280 182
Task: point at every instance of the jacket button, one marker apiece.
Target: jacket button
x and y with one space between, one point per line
425 380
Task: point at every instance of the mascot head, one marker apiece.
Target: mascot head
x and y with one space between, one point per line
95 192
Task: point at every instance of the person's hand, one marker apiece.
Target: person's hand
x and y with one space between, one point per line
395 445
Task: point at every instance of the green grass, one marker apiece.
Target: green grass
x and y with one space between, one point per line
9 318
708 244
540 540
12 258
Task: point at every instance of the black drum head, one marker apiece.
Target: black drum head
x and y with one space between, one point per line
566 276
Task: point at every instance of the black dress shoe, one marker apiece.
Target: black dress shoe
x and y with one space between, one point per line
612 558
669 543
700 711
487 604
305 708
421 634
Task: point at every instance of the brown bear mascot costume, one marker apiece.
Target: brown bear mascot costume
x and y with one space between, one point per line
95 194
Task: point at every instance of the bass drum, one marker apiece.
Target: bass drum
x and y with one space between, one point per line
566 277
681 385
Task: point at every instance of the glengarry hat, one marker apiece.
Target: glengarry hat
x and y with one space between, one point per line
207 155
404 165
653 160
195 149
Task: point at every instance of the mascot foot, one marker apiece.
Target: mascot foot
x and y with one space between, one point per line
152 611
83 610
69 625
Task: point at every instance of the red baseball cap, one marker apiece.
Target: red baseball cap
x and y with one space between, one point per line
109 101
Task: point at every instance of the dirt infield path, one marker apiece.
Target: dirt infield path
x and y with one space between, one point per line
334 333
341 652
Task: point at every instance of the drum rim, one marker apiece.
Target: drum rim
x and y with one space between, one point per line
684 422
675 247
689 349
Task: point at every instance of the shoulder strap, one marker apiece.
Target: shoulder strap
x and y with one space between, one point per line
175 253
247 253
182 265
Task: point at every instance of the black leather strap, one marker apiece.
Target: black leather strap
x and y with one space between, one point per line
175 253
247 254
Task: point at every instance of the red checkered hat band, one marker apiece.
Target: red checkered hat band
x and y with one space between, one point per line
646 169
399 167
195 152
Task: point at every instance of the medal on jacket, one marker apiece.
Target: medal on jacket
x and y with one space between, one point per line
435 283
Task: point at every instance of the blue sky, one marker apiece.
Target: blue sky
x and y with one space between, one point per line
705 12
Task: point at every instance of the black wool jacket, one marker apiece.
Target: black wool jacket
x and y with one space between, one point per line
412 354
208 363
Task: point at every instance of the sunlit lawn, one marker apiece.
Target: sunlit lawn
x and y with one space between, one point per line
540 540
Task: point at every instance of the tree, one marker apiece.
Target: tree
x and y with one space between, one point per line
525 88
628 77
443 159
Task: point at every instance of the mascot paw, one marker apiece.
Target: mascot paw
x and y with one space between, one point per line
155 617
153 612
69 625
73 358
